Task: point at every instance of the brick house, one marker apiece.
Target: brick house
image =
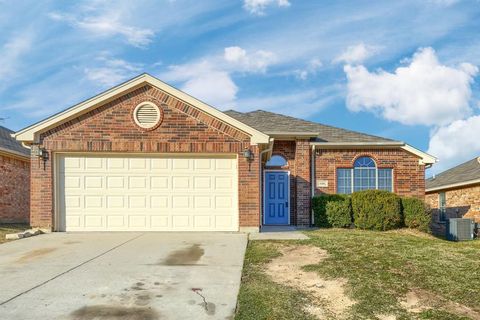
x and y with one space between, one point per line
455 193
146 156
14 179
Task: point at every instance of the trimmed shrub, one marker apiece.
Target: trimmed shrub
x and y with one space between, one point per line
376 210
319 204
416 214
339 213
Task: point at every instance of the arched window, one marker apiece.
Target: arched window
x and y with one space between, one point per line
364 176
276 161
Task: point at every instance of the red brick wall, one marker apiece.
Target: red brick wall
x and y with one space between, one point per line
110 128
14 189
408 174
461 202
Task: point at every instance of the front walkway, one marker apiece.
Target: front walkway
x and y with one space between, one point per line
121 276
279 233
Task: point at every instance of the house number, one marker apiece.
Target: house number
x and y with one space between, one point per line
322 183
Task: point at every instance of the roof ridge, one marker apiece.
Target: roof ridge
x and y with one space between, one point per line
318 123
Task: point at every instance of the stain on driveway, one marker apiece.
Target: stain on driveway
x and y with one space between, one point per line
184 257
34 254
105 312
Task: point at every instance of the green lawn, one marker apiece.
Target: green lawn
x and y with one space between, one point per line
380 268
11 228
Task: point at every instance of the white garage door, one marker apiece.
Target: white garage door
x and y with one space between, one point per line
138 193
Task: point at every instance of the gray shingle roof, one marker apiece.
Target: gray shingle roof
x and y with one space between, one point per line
464 172
8 143
269 122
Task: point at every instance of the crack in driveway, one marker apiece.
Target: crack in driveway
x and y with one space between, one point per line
208 306
69 270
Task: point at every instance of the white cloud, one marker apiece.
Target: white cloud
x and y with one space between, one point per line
455 143
257 7
257 61
205 81
423 92
106 25
356 54
11 52
111 71
210 79
311 69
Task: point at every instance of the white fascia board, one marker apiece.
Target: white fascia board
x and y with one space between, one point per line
30 134
425 158
453 185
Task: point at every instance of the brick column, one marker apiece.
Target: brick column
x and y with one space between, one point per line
41 192
303 182
249 191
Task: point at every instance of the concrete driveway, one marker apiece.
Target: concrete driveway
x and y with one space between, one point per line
121 276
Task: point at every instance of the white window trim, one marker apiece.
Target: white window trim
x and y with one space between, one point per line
352 178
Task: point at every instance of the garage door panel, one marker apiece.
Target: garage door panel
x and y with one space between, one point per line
137 182
138 193
159 182
159 221
93 182
115 182
93 202
115 164
139 222
115 221
159 164
94 221
137 164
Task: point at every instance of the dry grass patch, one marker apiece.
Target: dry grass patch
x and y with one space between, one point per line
328 297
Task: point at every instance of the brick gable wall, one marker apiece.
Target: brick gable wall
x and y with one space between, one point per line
14 190
111 128
408 174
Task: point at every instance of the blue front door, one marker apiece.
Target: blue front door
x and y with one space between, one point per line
276 197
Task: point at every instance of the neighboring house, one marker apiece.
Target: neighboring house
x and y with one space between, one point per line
14 179
455 193
146 156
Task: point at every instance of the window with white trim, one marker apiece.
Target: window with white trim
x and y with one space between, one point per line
442 207
364 176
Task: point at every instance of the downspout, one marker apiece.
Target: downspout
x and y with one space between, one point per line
260 180
312 182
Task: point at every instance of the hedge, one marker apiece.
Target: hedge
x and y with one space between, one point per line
319 204
416 214
339 213
376 210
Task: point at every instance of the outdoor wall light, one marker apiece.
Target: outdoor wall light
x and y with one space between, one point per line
248 154
41 153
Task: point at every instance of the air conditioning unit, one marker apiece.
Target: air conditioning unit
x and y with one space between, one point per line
459 229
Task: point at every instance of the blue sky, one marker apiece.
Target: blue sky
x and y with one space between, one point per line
405 70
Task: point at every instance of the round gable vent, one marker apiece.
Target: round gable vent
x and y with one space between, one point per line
147 115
